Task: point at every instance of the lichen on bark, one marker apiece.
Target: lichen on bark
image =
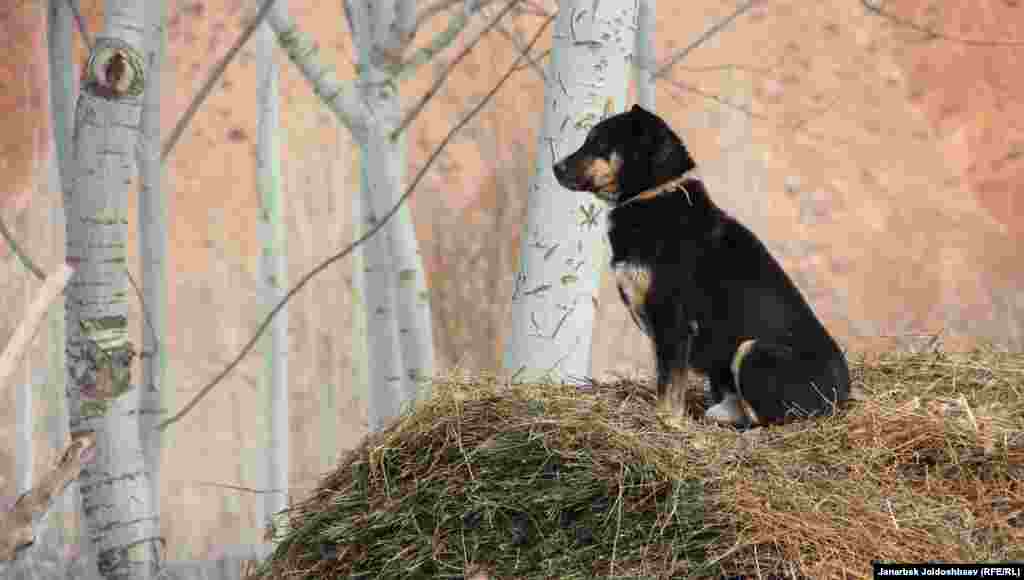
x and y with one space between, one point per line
107 356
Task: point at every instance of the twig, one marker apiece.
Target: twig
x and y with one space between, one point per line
534 8
710 32
145 315
721 67
18 526
517 42
215 75
80 23
876 9
683 86
203 392
22 256
27 329
439 81
435 9
540 57
439 43
798 127
235 487
443 5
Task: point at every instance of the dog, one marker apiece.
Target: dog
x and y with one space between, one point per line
702 286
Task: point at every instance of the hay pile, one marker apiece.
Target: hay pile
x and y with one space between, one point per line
548 481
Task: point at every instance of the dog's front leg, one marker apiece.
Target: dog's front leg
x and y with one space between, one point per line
673 342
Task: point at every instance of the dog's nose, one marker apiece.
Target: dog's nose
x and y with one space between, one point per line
560 170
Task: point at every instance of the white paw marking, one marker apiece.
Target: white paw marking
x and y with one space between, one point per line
728 411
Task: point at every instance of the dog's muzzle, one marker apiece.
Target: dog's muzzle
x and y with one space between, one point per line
562 174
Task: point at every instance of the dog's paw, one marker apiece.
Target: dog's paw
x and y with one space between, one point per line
728 412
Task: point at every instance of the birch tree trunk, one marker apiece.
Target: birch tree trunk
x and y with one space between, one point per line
391 30
273 273
62 104
400 338
384 355
360 322
400 341
152 216
562 253
24 426
116 492
644 64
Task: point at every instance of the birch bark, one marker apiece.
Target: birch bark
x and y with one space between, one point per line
273 272
562 252
645 65
400 341
116 491
152 216
62 105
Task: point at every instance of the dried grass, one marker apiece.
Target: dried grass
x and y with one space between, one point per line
549 481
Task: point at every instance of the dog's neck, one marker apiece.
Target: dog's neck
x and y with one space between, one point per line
670 185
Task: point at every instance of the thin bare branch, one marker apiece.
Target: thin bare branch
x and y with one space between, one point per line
686 87
342 98
720 67
875 7
215 75
145 315
235 487
436 8
440 42
18 526
14 349
799 127
534 8
80 24
22 256
440 80
443 5
707 35
540 57
519 45
203 392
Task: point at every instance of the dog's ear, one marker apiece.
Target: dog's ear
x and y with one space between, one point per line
667 150
666 145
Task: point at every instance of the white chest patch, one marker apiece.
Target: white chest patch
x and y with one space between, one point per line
634 281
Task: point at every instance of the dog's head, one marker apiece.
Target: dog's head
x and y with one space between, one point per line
624 155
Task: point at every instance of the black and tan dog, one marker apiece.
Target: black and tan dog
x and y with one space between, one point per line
701 285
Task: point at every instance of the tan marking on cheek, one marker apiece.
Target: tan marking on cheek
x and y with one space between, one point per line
601 173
